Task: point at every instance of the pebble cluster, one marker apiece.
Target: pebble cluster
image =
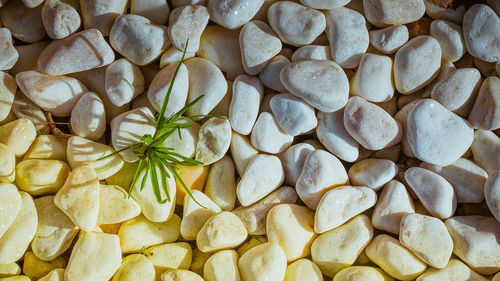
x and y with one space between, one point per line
359 140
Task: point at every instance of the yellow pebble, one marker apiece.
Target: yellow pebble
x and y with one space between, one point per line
18 135
252 242
124 176
362 273
41 176
9 269
16 278
222 266
303 269
48 147
199 260
7 161
55 275
193 176
455 270
180 275
135 268
35 268
170 256
110 228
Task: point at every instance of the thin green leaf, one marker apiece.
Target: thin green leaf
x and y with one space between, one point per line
143 183
186 159
154 180
114 153
177 115
159 140
172 169
170 87
163 175
136 176
179 130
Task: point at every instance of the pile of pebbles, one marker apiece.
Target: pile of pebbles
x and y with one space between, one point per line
360 140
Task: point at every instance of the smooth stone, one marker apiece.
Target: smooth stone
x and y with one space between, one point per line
24 108
60 20
23 22
214 140
340 204
58 95
123 81
7 161
172 55
370 125
187 22
186 143
158 88
348 36
153 210
394 258
221 46
492 194
17 136
55 230
247 95
324 4
303 269
135 266
47 147
115 206
485 150
10 269
373 173
428 238
181 275
268 75
16 240
258 44
8 88
254 216
41 176
232 14
322 84
196 212
8 54
435 11
466 177
363 272
263 175
222 266
220 185
449 36
295 24
435 193
373 79
156 11
333 135
293 160
416 64
266 261
129 127
293 115
458 90
267 135
392 205
35 268
206 79
339 248
242 152
11 203
382 13
321 172
88 118
292 227
475 242
485 113
139 233
79 197
388 40
454 270
95 256
222 231
101 14
28 56
169 256
312 52
138 39
442 138
81 51
480 23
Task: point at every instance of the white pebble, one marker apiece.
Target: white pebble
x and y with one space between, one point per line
373 173
485 150
480 28
213 141
233 14
123 81
100 14
245 102
24 23
373 79
60 19
263 262
195 213
437 12
158 88
293 115
268 74
8 54
383 13
267 135
492 194
312 52
324 4
242 152
156 11
485 113
88 119
333 135
293 161
388 40
449 36
187 22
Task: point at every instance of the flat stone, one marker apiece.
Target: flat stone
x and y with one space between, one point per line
348 36
479 28
373 79
247 95
187 22
295 24
268 136
41 176
474 239
293 115
138 39
101 14
258 44
8 54
123 81
436 135
382 13
373 173
416 64
267 260
322 84
485 113
233 14
492 194
449 36
88 118
293 161
11 206
59 19
214 140
388 40
333 135
24 23
435 193
312 52
484 150
196 213
321 172
58 95
222 231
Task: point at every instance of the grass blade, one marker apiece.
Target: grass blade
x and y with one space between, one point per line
163 175
143 183
177 115
171 168
154 180
136 176
114 153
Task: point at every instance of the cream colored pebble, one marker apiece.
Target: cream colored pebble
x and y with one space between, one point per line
8 54
123 81
88 117
115 206
388 40
180 275
196 212
312 52
139 232
266 261
454 270
247 95
23 22
41 176
169 256
55 231
172 55
18 135
449 36
101 14
214 140
60 19
485 113
373 173
242 152
186 143
303 269
7 161
339 248
354 273
484 148
161 82
187 22
373 79
25 109
135 266
437 12
293 160
492 194
394 258
233 14
382 13
222 231
220 185
268 136
479 25
11 206
222 266
156 11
